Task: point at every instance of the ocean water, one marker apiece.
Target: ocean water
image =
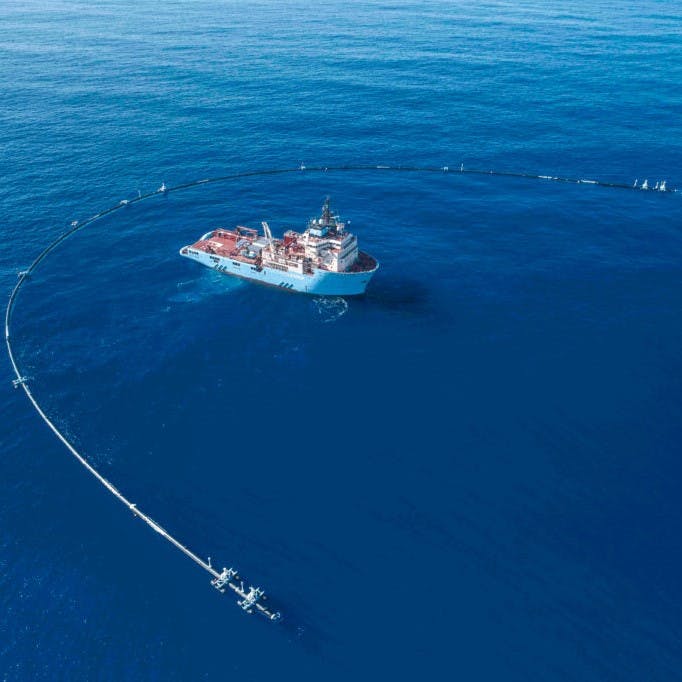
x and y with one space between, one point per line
472 472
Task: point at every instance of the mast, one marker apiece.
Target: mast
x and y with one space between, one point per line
326 212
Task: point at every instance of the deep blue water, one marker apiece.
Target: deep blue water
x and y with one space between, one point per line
471 473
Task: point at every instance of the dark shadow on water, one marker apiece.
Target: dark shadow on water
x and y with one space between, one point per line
316 640
404 295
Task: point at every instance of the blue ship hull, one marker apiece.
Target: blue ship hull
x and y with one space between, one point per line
319 283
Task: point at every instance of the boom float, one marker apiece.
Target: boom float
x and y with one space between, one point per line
249 600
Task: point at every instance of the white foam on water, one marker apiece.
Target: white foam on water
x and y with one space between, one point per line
207 285
331 309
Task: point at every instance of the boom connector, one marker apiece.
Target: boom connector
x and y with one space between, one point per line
20 381
251 599
223 579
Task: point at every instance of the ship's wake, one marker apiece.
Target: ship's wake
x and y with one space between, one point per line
330 308
199 288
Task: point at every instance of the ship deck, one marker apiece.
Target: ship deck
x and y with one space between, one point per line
364 263
224 243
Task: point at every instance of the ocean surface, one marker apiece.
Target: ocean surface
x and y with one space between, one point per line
473 472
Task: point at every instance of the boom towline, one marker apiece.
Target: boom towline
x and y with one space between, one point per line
229 577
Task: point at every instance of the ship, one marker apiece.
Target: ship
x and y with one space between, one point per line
323 260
